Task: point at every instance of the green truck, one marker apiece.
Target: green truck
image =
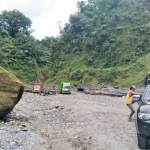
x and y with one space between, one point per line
64 87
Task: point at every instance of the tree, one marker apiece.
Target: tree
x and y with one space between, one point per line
15 22
80 6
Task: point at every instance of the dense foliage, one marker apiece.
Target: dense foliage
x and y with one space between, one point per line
15 22
99 44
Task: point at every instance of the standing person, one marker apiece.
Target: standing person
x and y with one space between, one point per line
129 100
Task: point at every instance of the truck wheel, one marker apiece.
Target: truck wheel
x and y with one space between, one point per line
142 142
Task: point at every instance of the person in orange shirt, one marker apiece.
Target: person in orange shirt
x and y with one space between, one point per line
129 100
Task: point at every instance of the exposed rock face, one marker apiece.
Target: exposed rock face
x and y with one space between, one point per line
11 90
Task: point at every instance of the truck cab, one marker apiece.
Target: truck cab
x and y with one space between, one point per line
64 87
38 88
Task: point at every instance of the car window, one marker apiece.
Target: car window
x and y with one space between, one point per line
146 96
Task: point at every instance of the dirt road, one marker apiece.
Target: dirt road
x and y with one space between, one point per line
77 121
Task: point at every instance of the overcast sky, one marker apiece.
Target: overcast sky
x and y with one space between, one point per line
44 14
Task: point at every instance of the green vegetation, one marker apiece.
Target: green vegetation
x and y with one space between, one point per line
104 42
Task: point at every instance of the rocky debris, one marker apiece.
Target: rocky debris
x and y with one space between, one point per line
81 142
59 107
102 89
11 90
69 122
113 91
87 91
108 94
106 90
19 139
28 88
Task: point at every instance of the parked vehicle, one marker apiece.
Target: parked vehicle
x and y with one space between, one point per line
142 120
81 87
64 87
38 88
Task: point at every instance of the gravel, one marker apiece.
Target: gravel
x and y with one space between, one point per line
76 121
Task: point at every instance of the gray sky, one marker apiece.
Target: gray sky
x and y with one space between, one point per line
44 14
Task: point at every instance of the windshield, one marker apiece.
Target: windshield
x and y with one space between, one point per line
67 87
146 96
36 87
80 85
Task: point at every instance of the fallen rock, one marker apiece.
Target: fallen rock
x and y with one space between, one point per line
11 90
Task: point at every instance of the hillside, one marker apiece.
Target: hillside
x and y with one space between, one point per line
104 42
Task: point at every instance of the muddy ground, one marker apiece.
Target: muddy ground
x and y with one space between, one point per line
76 121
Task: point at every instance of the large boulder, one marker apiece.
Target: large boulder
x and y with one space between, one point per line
11 90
